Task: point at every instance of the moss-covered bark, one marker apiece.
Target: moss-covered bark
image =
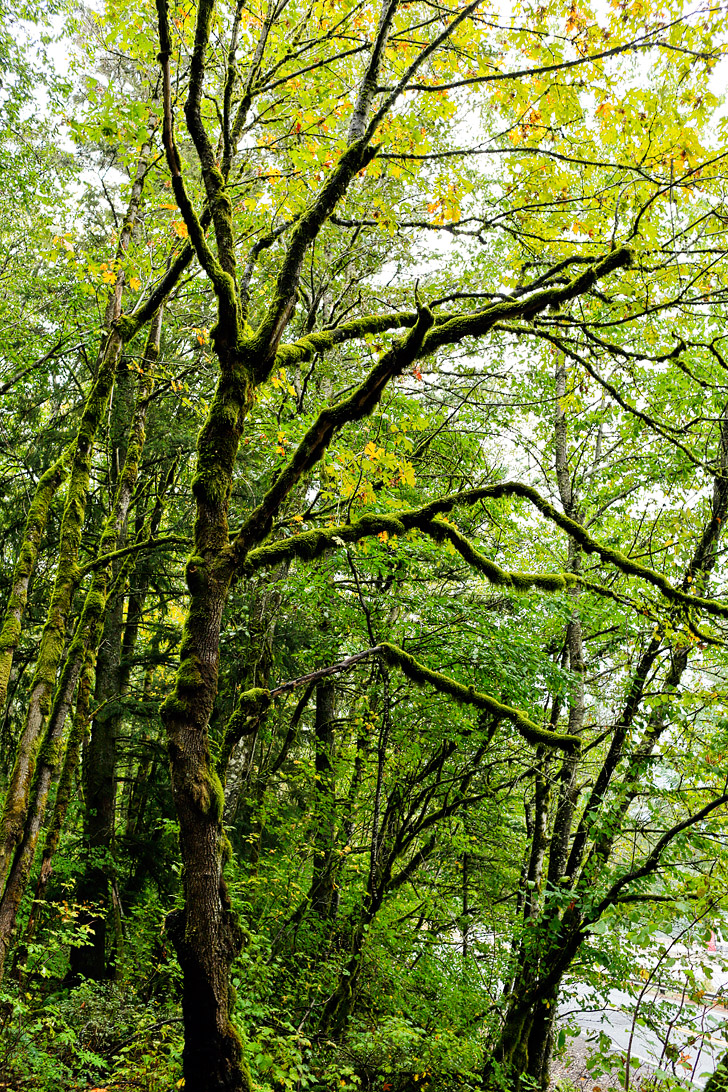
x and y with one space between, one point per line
85 641
323 893
54 632
17 803
35 524
64 792
127 436
205 934
47 770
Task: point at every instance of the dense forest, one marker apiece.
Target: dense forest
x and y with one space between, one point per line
363 605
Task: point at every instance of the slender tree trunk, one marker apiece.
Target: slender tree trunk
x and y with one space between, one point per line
17 803
86 639
52 642
526 1038
64 791
99 755
323 888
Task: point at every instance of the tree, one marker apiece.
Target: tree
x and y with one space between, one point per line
322 153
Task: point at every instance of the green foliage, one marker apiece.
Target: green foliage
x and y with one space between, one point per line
513 295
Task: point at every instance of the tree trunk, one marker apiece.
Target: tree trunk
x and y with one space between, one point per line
65 788
323 894
17 802
85 641
99 752
522 1055
205 933
46 489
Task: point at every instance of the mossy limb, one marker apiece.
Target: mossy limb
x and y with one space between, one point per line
468 695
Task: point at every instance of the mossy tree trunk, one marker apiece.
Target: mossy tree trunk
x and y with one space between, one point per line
127 437
205 933
99 752
64 791
17 803
35 523
85 641
323 894
53 638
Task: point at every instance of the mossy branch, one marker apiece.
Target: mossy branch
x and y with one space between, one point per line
312 544
321 341
253 703
416 64
607 553
468 695
480 323
265 344
551 582
147 545
221 278
450 329
359 404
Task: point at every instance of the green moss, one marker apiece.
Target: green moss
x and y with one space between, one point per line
173 708
208 794
127 327
250 703
189 677
460 327
304 349
312 544
196 574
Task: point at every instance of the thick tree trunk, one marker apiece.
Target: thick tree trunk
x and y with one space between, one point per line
205 933
522 1054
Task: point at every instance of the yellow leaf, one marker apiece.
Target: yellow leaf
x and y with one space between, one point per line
180 229
134 283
